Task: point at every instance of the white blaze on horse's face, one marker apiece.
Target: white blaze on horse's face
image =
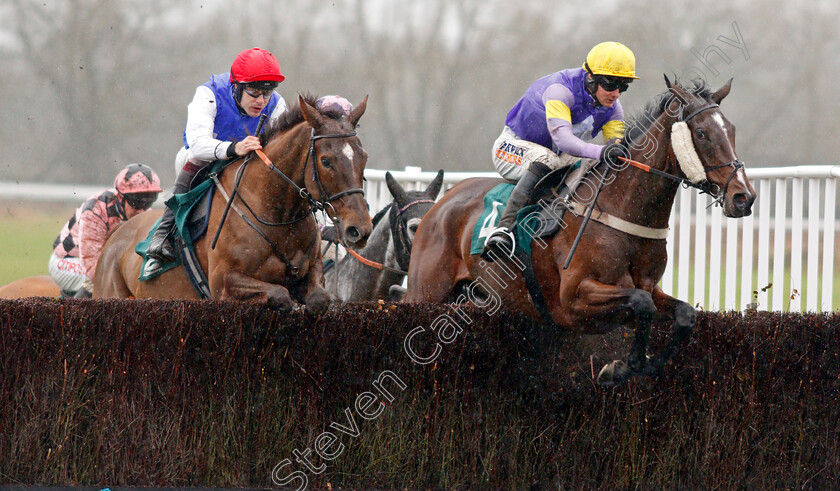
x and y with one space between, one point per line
740 175
348 152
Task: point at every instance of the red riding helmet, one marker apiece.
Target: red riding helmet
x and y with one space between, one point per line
137 178
255 65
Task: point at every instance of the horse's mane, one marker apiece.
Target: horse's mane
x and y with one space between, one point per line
638 124
381 213
294 116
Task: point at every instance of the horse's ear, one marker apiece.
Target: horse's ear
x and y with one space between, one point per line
434 187
396 189
722 92
310 114
357 111
681 94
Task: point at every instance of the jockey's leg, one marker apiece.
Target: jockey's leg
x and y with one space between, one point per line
83 293
501 239
68 274
161 246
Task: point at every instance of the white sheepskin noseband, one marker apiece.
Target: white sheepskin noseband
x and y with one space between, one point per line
686 154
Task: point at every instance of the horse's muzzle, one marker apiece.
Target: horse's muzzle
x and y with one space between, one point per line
355 237
741 205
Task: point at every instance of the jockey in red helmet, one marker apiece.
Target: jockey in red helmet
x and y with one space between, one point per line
221 121
76 249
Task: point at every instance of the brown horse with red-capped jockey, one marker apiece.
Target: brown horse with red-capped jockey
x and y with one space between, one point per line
268 245
612 276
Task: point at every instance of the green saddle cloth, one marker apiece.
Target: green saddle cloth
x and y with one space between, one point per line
182 205
494 204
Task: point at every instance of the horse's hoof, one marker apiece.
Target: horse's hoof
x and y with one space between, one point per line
396 293
614 373
317 308
317 302
281 302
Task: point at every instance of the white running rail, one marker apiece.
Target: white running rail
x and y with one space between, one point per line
794 218
781 258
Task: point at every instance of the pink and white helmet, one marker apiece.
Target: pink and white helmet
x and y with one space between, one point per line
333 103
137 178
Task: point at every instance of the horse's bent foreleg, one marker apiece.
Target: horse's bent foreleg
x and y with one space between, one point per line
315 296
607 306
237 286
684 318
603 307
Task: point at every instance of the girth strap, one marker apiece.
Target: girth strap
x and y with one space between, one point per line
534 289
620 224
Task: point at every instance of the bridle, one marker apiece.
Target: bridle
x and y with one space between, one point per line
399 232
314 205
326 199
399 235
706 186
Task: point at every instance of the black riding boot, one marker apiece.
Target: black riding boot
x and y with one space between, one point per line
161 246
83 293
501 240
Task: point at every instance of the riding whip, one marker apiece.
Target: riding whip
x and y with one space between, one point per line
585 220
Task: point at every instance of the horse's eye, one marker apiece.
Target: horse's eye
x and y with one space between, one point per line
326 162
701 134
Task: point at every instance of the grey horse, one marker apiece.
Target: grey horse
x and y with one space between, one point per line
384 260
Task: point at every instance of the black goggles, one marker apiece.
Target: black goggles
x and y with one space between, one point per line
611 83
140 201
256 92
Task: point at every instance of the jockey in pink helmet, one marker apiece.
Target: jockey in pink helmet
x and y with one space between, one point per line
221 121
76 249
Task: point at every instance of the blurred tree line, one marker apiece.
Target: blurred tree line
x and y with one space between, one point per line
94 84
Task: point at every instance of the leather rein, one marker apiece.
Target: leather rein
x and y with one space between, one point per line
314 205
397 232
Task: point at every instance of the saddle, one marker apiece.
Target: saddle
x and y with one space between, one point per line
192 216
552 194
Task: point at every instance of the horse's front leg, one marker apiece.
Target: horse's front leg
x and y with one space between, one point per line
605 307
238 286
683 316
314 295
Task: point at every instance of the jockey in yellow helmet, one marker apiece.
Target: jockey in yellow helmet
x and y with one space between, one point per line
548 127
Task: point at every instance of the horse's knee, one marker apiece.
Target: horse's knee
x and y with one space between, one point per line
641 303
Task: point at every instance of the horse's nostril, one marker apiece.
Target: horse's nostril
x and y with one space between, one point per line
740 200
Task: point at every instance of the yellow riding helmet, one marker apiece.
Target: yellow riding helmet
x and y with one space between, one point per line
612 59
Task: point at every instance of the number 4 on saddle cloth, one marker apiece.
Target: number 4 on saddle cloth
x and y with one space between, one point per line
541 218
192 214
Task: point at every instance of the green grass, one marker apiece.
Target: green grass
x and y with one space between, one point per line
26 238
